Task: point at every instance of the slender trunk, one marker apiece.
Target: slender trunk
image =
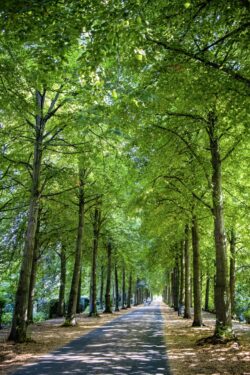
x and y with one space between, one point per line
116 290
181 293
187 311
191 289
71 312
96 229
129 291
78 303
61 302
207 293
18 331
108 306
101 287
223 328
197 322
232 271
169 290
34 271
136 293
123 287
176 284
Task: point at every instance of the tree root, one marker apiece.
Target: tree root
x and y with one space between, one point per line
216 340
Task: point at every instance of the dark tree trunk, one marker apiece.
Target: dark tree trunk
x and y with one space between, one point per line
34 271
18 331
71 311
116 290
123 287
197 322
181 293
232 271
96 230
61 302
102 287
187 311
207 293
108 306
129 291
136 302
223 328
176 285
78 303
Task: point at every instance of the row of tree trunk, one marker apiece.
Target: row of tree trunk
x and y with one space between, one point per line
183 285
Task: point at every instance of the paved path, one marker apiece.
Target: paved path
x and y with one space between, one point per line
131 344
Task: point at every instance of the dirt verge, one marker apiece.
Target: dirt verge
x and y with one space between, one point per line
188 358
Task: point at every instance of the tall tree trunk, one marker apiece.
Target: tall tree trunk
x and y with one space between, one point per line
170 299
123 287
176 284
108 306
181 292
129 291
232 271
223 328
187 311
207 293
136 302
116 290
101 287
73 295
96 229
61 302
34 271
78 303
197 322
18 331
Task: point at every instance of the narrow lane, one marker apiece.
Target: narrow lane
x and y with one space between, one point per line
131 344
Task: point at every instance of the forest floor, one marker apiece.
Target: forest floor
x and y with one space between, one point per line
188 358
185 356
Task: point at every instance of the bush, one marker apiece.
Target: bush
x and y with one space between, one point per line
6 319
247 316
2 304
39 317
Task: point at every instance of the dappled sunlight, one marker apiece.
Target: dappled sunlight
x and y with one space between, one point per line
131 344
187 358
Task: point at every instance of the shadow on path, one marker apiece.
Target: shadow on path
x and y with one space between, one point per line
131 344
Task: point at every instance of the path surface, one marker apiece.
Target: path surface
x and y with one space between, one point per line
131 344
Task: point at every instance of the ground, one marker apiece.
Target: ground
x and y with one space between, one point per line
185 356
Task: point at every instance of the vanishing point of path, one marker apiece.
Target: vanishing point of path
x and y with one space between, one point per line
131 344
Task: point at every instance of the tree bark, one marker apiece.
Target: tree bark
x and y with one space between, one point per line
232 271
18 331
197 322
129 291
176 284
71 311
187 311
61 302
181 292
96 229
101 287
78 303
116 290
223 328
34 271
108 306
207 293
123 287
